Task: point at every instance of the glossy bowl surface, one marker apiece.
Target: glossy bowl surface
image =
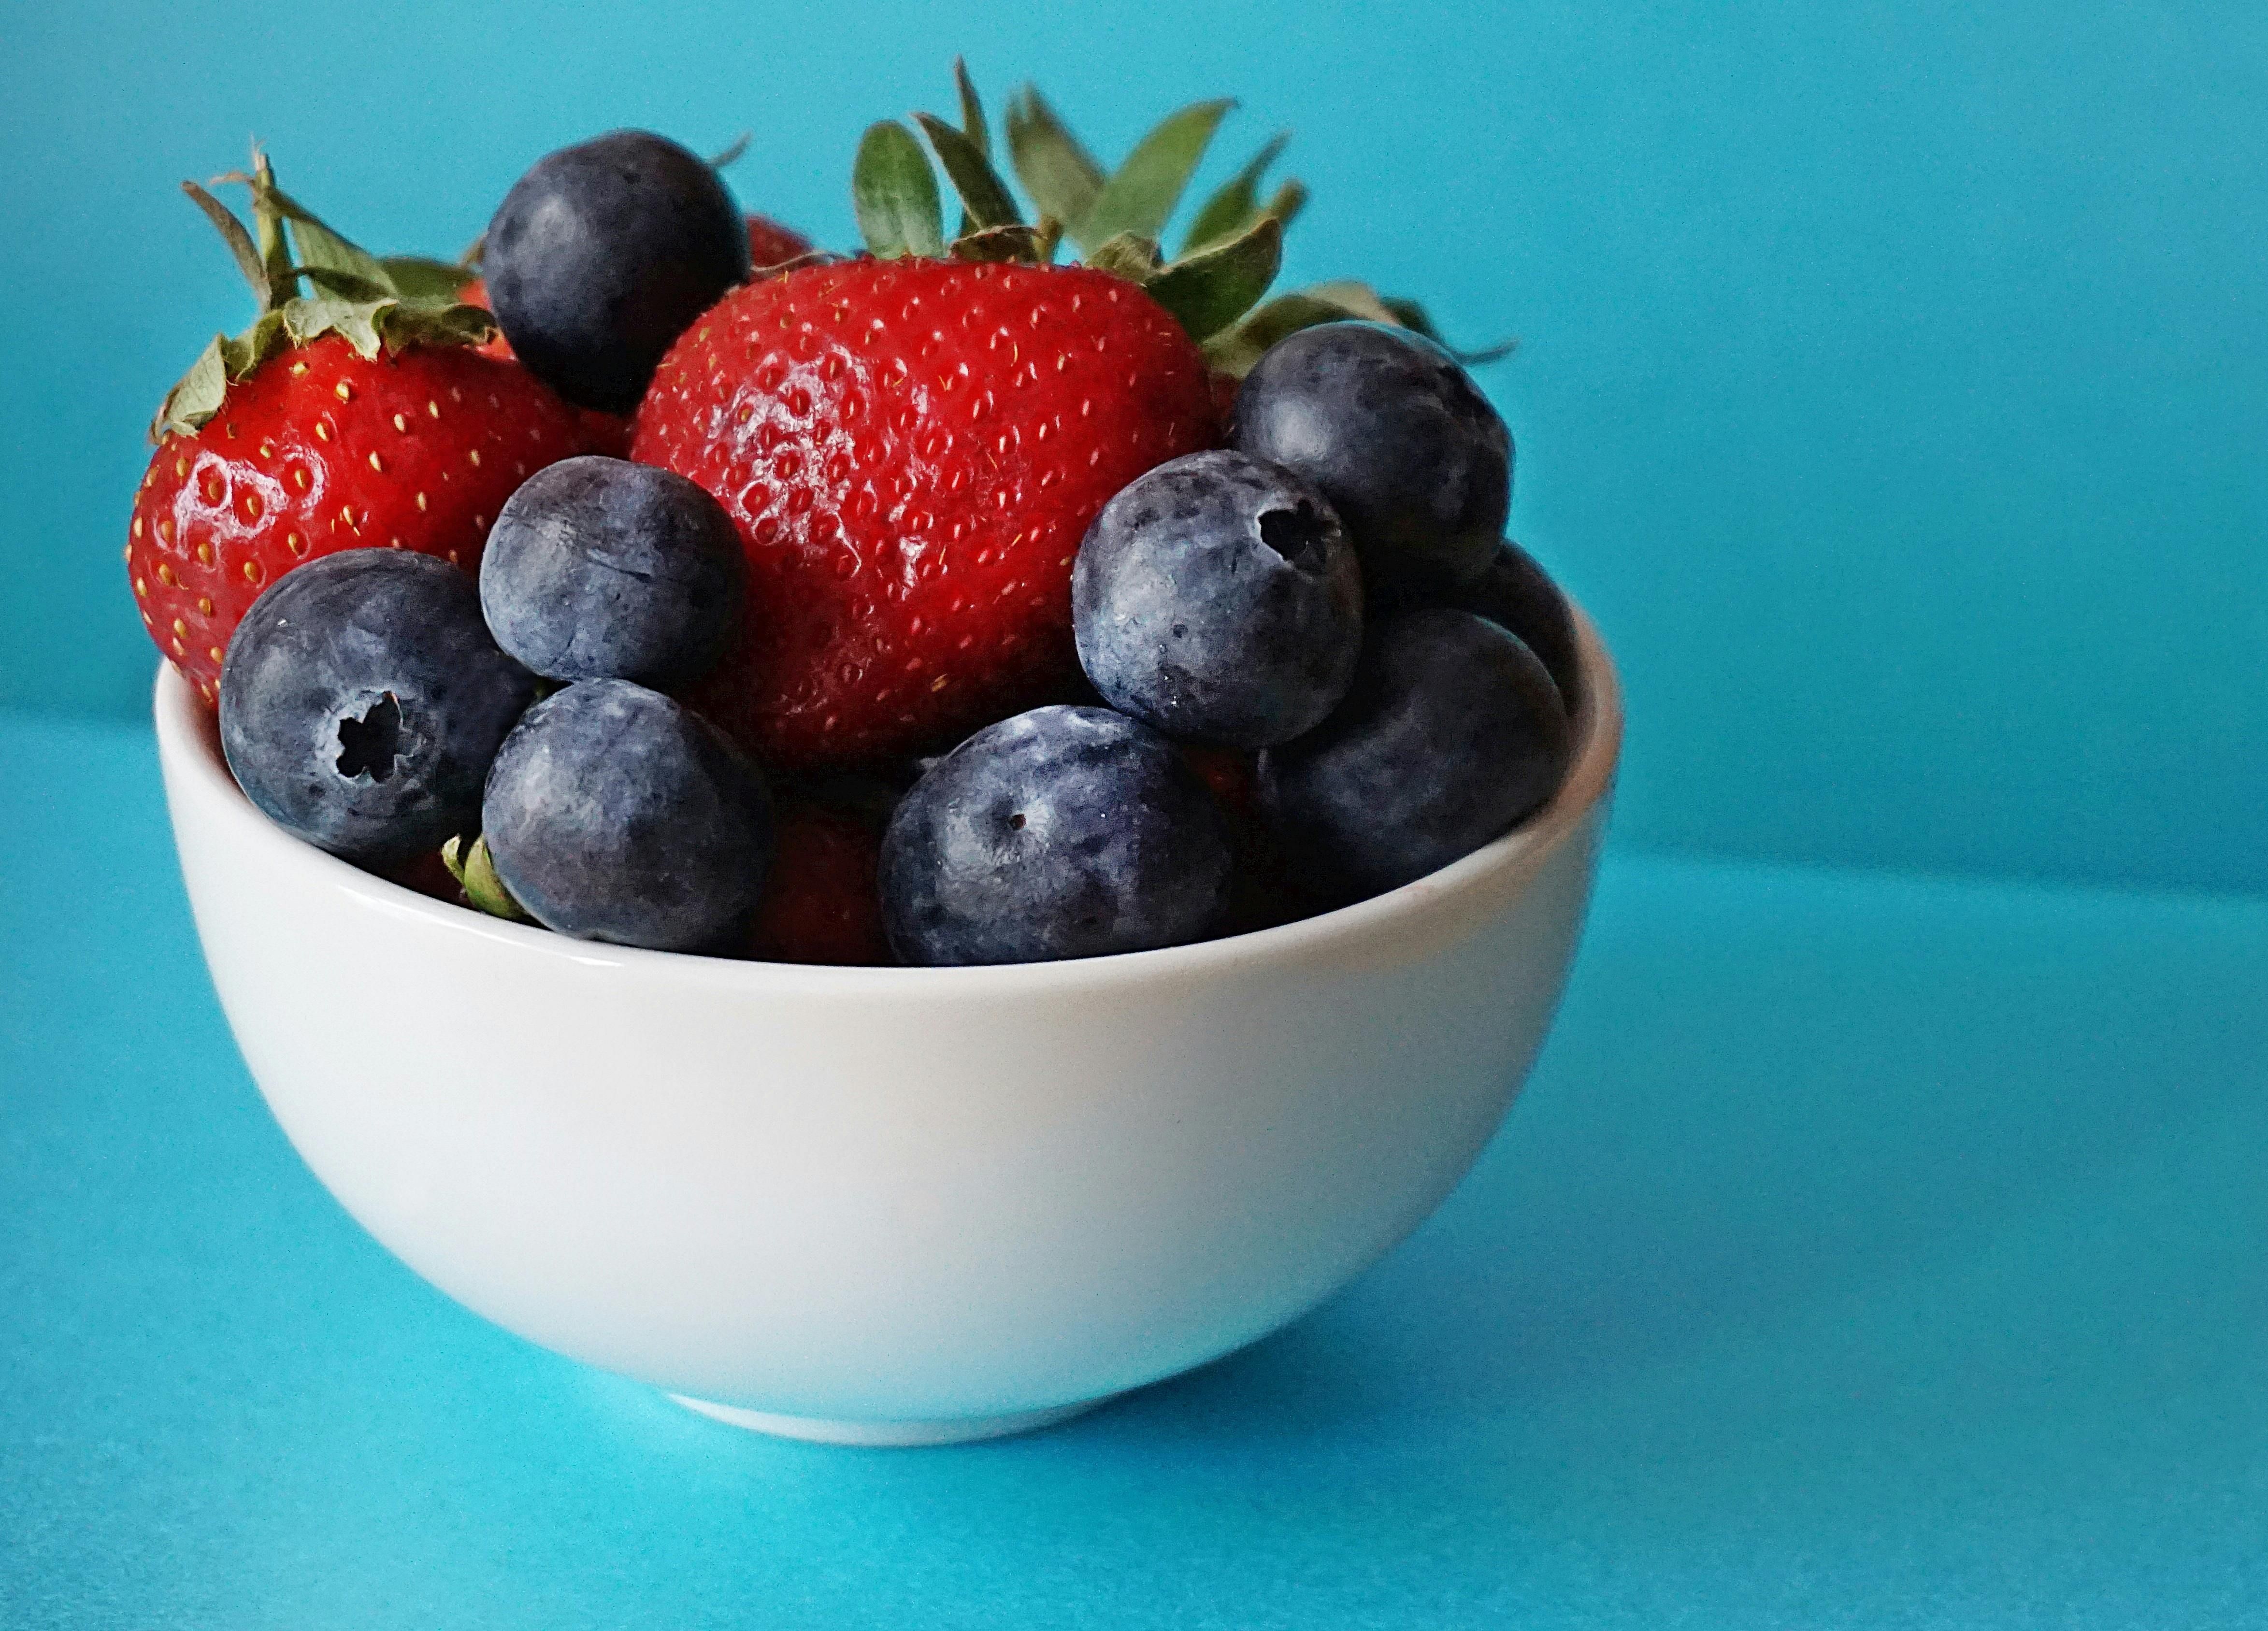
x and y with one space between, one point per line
885 1205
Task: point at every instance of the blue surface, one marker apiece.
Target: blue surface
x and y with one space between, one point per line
1866 1252
1894 384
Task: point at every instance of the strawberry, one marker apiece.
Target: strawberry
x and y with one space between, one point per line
822 904
429 875
771 245
1223 396
914 443
912 450
363 416
477 293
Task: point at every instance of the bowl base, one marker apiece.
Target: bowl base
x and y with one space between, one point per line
889 1434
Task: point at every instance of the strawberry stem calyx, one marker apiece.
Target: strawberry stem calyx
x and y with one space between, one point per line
374 304
476 875
1028 245
1235 350
894 190
1229 257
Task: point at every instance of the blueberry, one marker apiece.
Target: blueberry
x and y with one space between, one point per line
1065 832
1452 734
361 700
1516 593
599 569
602 254
1217 597
1390 428
615 814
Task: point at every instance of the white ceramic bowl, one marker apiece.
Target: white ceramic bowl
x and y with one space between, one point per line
885 1205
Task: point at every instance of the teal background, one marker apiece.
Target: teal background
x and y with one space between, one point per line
1872 1248
1894 383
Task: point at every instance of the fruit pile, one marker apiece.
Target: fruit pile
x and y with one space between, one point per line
677 585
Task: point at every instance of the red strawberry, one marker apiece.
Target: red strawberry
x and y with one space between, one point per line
912 450
332 424
822 904
429 875
477 293
771 245
1224 397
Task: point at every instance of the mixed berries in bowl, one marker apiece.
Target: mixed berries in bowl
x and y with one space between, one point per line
900 525
1135 660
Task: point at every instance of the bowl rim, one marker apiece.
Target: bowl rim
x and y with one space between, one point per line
189 747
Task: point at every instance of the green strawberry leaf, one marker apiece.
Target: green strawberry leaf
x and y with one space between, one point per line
972 112
267 227
476 875
345 285
197 396
269 333
894 194
1141 195
1129 255
1289 199
319 247
275 283
355 321
1235 350
415 277
1361 300
387 322
239 241
192 403
1209 291
981 194
373 305
1358 299
335 263
1015 242
1233 209
1410 315
1060 176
